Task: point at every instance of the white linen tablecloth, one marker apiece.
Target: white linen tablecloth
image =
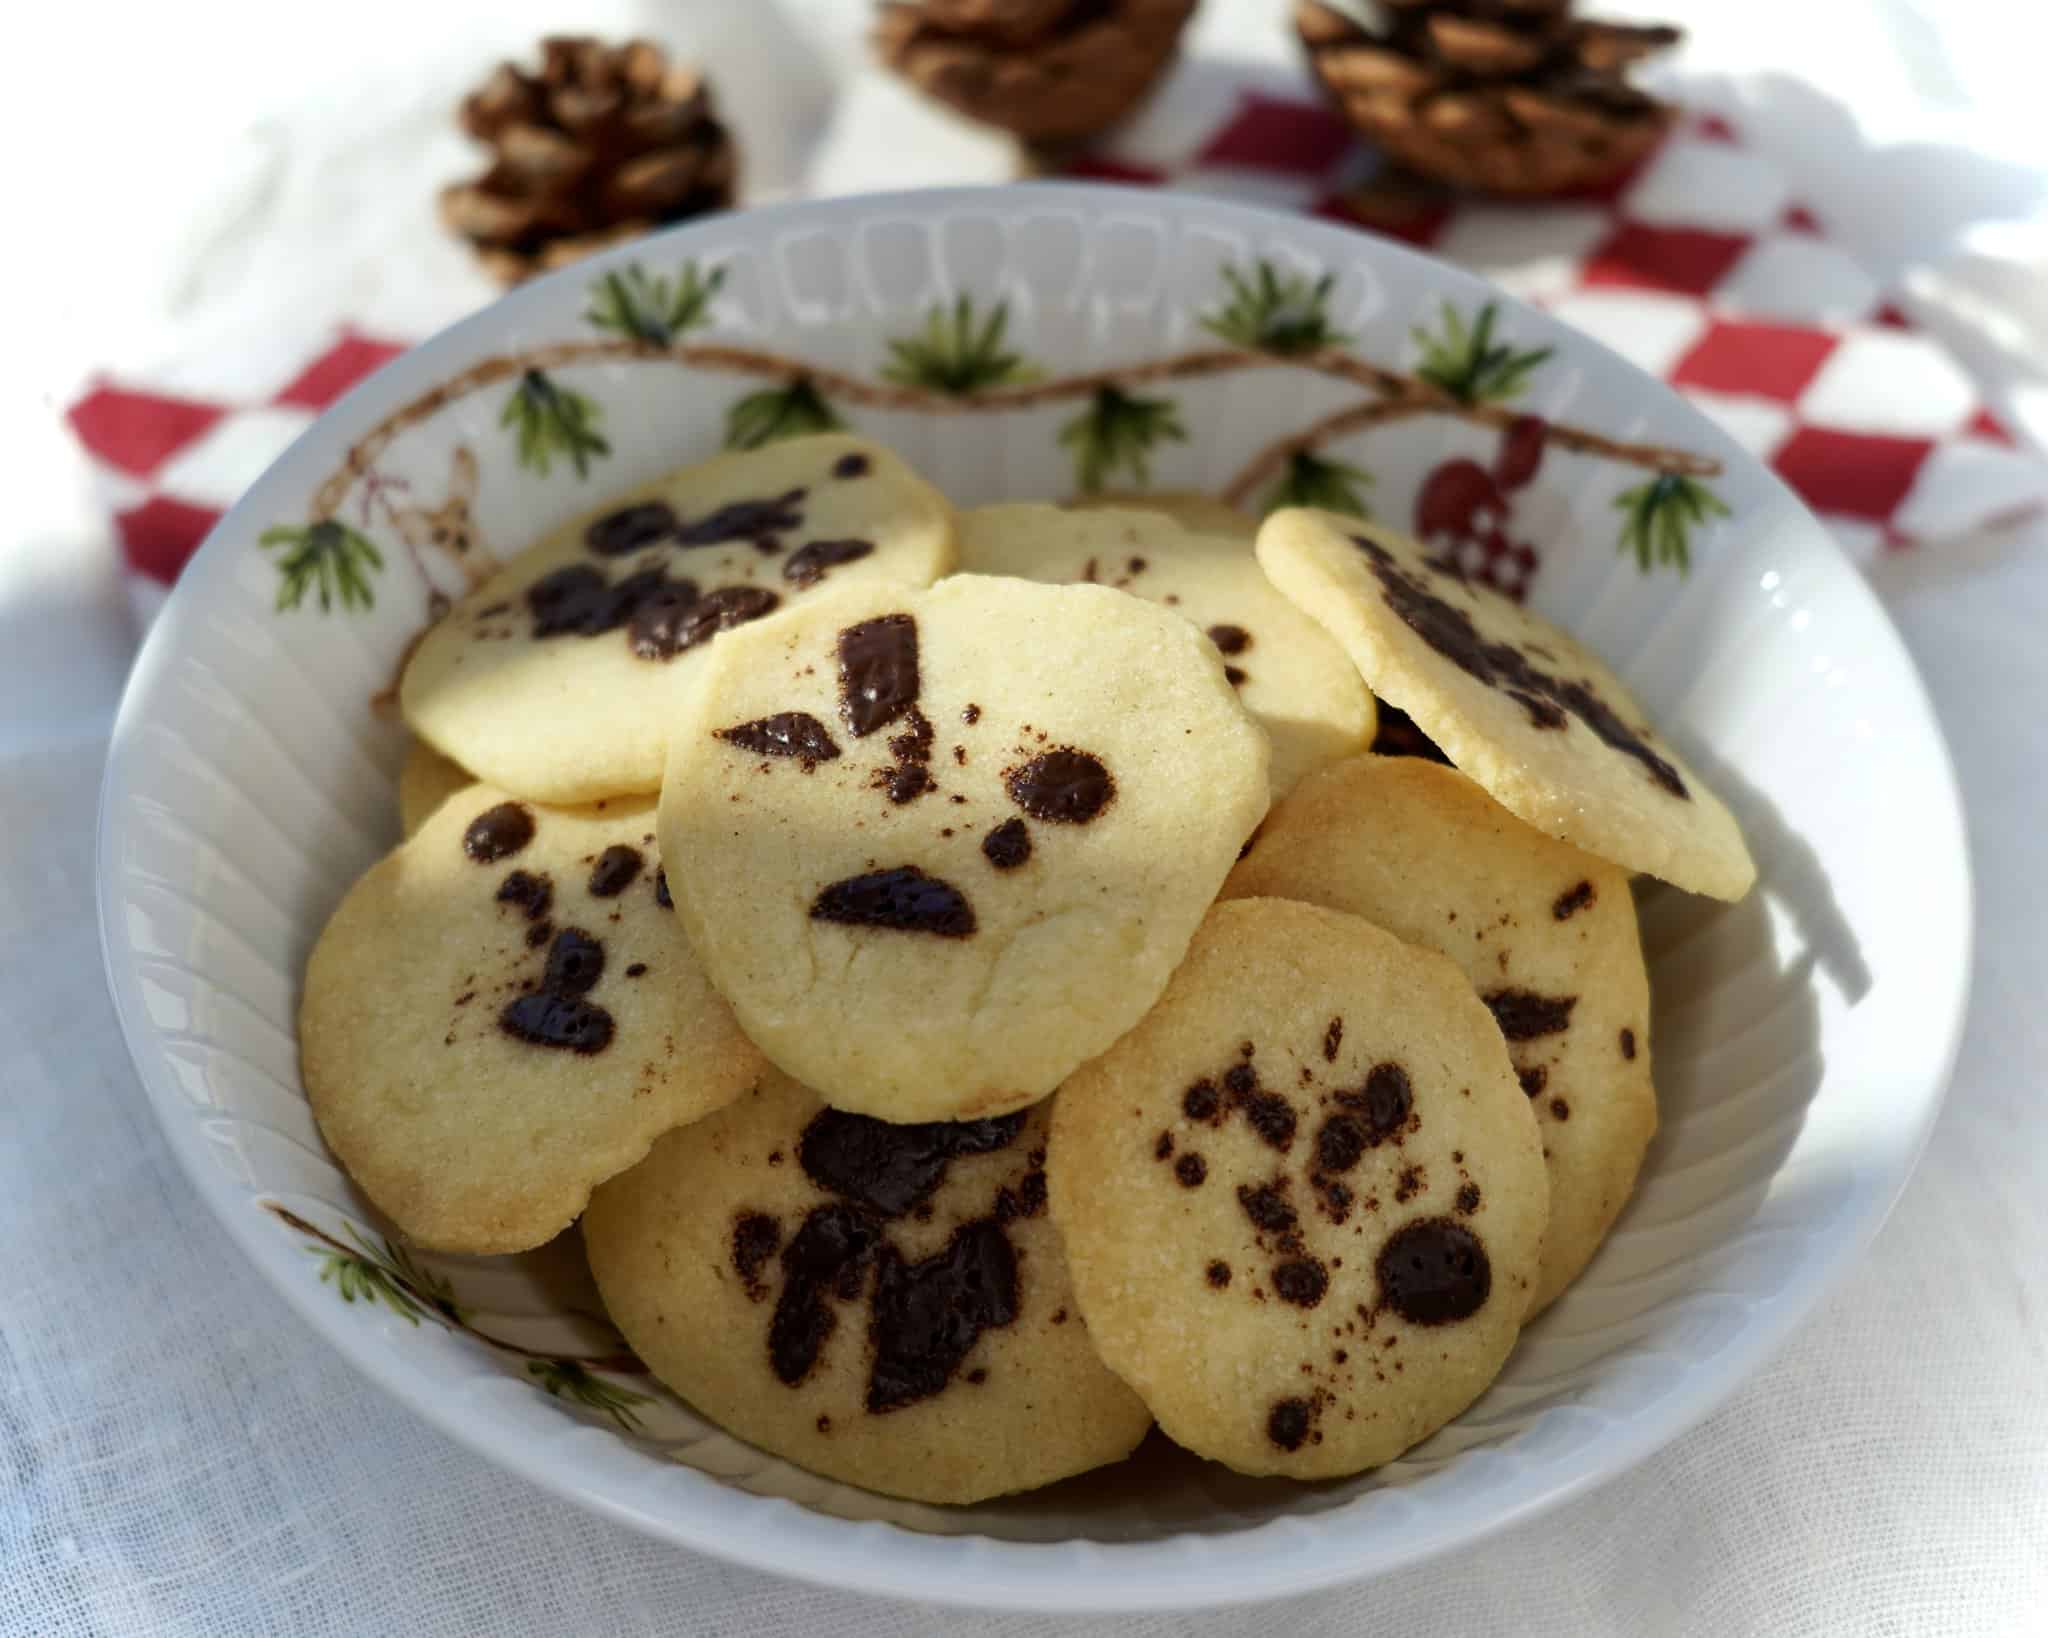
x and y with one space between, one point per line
179 1455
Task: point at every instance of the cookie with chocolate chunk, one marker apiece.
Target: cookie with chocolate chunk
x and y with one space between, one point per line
1529 712
556 678
425 781
503 1013
1303 1201
1293 678
886 1305
1546 934
937 848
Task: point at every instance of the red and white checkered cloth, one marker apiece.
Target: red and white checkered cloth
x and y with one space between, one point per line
1700 267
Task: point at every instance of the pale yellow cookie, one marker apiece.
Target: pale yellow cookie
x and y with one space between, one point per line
426 780
1190 508
1526 710
1303 1201
557 677
503 1013
886 1305
1291 675
1546 934
939 847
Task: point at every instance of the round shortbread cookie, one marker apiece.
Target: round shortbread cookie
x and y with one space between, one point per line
887 1305
1546 934
556 679
503 1013
1291 674
937 848
425 781
1190 508
1303 1201
1529 712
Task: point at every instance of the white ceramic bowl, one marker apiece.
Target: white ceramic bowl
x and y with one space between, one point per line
1802 1038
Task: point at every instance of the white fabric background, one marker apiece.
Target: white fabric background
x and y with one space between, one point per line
178 1455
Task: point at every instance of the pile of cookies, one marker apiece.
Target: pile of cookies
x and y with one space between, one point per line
992 982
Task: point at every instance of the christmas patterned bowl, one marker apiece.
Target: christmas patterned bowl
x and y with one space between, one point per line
1028 342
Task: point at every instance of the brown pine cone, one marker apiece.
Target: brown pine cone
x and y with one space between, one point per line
603 144
1500 96
1046 70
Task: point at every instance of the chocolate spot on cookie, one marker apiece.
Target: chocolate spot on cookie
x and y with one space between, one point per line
812 561
787 733
1383 1104
1560 1110
1287 1423
1063 786
892 1168
744 520
912 749
827 1256
616 868
1267 1208
556 1014
1523 1015
1200 1101
630 528
1162 1147
1397 735
1434 1272
1230 639
1450 631
928 1315
878 678
904 898
1333 1038
1217 1274
755 1238
970 715
661 890
1008 845
1532 1079
1234 675
1412 1181
1572 901
1192 1170
1339 1142
498 833
1628 1044
531 893
854 465
665 624
1468 1199
1268 1114
1301 1281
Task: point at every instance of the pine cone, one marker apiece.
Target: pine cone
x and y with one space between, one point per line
1046 70
1501 96
604 144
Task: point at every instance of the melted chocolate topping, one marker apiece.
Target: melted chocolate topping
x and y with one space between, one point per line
1450 631
1523 1015
743 520
1230 639
878 678
1628 1044
1434 1272
1383 1103
614 872
891 1169
787 733
1287 1423
498 833
1339 1143
665 624
1572 901
1267 1208
1333 1038
1062 786
630 528
661 896
532 894
755 1238
1397 735
557 1015
810 563
1191 1170
1301 1281
1008 845
827 1256
854 465
904 898
911 776
928 1315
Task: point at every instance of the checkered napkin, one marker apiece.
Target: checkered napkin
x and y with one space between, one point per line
1700 267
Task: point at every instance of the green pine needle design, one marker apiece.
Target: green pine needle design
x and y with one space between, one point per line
327 558
956 355
551 421
1120 430
1313 481
565 1379
792 411
387 1273
635 303
1267 313
1659 519
1470 365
